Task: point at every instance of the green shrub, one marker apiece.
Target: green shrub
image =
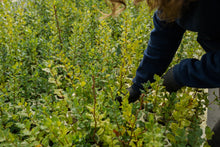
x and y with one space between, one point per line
61 69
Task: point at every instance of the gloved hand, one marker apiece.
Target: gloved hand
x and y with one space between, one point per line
170 83
133 95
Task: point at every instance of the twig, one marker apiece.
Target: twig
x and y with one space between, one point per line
94 106
58 26
215 100
58 138
136 116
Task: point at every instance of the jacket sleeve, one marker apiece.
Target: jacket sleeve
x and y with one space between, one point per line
204 73
163 44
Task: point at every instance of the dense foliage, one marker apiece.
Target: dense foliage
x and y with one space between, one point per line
61 68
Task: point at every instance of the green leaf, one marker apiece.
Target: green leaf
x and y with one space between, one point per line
209 133
52 80
46 70
100 131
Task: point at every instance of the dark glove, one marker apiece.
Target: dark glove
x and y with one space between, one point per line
170 83
215 141
134 95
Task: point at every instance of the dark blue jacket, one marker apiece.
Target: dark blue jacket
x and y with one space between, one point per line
203 17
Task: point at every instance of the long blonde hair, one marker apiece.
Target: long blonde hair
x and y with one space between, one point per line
169 9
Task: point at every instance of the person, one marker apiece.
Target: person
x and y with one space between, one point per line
171 19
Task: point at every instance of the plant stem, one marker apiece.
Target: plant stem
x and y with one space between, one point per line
136 116
58 26
58 138
94 106
14 94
